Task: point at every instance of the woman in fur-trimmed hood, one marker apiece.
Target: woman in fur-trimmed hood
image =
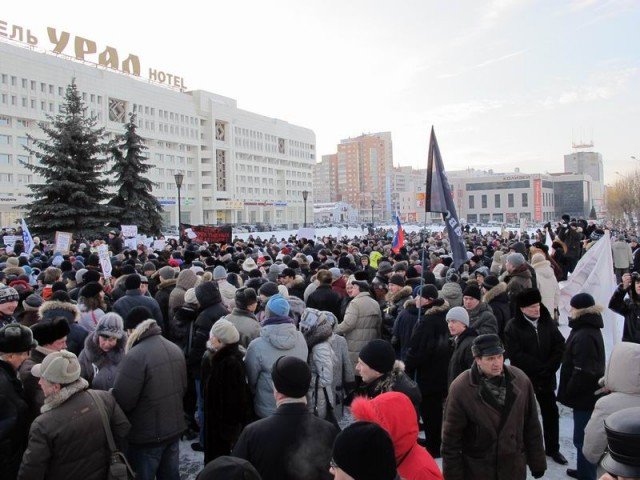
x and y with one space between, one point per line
103 351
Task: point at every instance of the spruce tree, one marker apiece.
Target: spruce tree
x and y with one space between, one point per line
70 161
134 202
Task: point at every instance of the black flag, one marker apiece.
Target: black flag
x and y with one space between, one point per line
439 199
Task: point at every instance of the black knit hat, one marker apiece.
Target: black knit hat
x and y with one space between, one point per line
90 290
528 297
16 338
490 282
361 275
397 279
429 292
364 450
90 276
229 468
245 297
132 282
48 331
291 376
136 316
379 355
582 300
486 345
361 284
473 291
269 289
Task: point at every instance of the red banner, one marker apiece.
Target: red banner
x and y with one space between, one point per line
537 200
212 234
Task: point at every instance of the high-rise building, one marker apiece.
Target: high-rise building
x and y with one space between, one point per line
360 172
588 163
238 166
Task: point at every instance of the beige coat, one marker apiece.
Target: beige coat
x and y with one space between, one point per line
547 284
362 322
622 378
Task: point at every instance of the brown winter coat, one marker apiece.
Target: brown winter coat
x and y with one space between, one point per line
362 321
481 443
68 441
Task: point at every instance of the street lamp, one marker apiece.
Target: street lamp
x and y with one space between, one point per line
372 204
179 177
305 195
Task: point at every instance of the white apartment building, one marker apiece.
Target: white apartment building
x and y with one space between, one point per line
238 166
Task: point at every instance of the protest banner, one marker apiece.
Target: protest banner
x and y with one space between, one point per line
62 242
105 261
306 232
129 231
10 240
209 234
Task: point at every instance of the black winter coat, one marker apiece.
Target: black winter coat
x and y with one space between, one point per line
324 298
162 297
76 338
428 356
14 422
583 362
403 329
536 353
209 315
150 384
182 327
228 406
630 310
461 356
498 300
291 444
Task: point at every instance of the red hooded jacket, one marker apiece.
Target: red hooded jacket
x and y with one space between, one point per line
394 412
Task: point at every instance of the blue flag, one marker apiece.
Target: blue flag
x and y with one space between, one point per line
26 238
439 199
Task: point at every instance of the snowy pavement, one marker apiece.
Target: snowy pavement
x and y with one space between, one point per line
192 462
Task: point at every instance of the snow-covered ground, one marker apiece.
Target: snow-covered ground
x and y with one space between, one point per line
192 462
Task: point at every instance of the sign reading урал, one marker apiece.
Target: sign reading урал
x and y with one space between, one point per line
87 50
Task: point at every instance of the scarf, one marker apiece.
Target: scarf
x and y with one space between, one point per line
56 399
496 387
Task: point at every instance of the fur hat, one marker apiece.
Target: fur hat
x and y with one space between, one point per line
79 275
537 258
278 305
428 292
291 376
58 367
148 267
245 297
249 264
91 276
48 331
91 289
582 300
111 325
365 450
528 297
472 291
225 331
486 345
458 314
379 355
136 316
384 268
490 282
16 338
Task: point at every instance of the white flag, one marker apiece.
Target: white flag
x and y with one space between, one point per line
594 275
26 238
549 243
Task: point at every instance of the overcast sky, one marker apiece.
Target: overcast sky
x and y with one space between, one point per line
507 83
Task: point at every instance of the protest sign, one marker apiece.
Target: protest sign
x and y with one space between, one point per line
105 261
129 231
62 242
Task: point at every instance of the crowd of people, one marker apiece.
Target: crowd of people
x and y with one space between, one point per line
259 350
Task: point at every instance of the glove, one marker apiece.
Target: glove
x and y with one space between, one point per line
537 474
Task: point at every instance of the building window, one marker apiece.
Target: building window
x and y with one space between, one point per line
220 131
483 199
5 159
5 139
497 200
5 122
525 200
510 201
472 201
